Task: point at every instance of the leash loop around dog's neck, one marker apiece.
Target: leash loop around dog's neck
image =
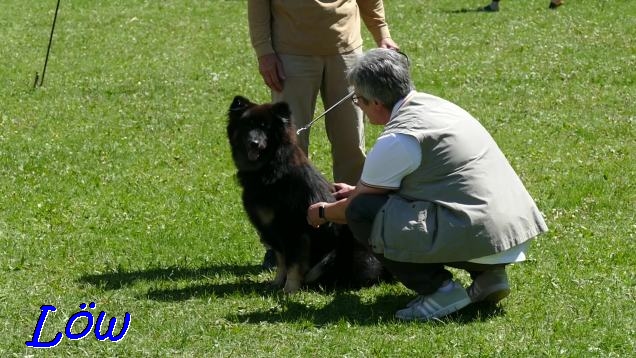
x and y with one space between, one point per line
324 113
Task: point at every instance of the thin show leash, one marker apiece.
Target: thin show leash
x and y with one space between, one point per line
319 269
324 113
340 101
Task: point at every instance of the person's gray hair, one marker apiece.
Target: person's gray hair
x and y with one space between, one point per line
382 75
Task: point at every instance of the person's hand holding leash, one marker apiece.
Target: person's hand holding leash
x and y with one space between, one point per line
387 42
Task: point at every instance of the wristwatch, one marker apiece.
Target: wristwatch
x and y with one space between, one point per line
321 211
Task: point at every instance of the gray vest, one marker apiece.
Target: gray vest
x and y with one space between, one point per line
463 202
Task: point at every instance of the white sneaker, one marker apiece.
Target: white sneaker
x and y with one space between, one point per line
436 305
491 286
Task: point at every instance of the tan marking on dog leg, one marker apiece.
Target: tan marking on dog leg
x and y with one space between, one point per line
281 270
294 279
265 215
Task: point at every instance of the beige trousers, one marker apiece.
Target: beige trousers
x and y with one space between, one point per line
306 76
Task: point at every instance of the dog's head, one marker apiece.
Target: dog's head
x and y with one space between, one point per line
257 131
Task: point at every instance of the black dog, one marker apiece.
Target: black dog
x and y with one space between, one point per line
279 184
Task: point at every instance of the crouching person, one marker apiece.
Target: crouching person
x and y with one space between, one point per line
435 191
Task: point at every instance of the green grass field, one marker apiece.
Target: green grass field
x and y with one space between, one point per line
117 187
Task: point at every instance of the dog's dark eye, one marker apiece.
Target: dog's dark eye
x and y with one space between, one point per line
264 125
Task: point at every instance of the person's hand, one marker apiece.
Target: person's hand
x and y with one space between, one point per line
271 68
387 42
342 190
313 217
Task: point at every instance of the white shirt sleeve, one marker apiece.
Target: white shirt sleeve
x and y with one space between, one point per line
393 157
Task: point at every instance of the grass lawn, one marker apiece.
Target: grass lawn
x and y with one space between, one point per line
117 187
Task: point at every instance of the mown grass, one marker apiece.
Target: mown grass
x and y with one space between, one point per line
117 185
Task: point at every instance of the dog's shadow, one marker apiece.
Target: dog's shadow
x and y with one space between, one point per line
124 278
345 305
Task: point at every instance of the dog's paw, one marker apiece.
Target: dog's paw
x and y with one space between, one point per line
279 280
277 283
291 286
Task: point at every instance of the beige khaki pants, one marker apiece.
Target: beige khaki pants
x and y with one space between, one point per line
306 76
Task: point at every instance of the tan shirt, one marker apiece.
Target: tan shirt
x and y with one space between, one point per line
312 27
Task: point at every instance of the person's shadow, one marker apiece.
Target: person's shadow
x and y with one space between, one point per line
345 305
466 10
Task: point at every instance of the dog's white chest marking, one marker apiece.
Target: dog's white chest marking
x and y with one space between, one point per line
265 215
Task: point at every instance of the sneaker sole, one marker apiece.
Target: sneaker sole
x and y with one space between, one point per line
441 313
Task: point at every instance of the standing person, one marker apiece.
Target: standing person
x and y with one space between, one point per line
435 191
305 47
494 5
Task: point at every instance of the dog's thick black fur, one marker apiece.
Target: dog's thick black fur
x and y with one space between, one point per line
279 183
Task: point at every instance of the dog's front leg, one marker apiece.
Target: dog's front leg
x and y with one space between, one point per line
281 270
294 279
297 269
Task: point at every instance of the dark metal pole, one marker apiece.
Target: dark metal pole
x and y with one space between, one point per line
48 50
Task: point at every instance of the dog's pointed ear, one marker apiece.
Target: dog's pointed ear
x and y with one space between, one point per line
281 110
239 103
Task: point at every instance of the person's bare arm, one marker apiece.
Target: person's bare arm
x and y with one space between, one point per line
335 212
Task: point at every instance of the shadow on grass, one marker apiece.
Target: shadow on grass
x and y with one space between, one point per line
217 290
345 306
121 279
478 312
468 10
348 307
243 287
